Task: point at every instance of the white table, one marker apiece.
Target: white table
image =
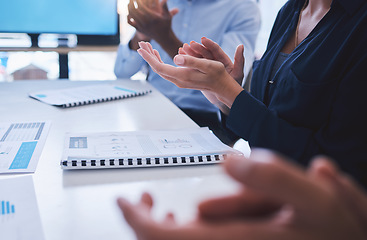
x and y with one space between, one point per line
81 204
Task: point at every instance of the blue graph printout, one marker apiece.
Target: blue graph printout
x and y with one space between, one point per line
21 145
19 214
7 208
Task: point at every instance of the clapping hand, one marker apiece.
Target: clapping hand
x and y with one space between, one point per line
195 73
278 201
151 17
209 49
153 20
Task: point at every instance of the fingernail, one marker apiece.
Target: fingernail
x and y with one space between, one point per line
179 60
140 43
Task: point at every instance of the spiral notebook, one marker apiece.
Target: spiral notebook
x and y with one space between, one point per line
143 149
77 96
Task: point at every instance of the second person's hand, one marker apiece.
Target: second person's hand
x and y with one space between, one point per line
152 19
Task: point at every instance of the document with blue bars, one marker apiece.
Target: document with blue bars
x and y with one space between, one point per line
19 213
21 144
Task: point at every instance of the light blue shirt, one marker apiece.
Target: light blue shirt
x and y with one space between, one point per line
227 22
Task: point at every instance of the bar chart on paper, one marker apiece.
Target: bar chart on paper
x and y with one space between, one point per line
21 145
7 208
19 216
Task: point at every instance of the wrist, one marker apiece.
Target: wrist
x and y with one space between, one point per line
229 93
170 43
133 45
134 42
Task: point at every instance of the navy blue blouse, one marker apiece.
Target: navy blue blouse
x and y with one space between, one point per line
316 101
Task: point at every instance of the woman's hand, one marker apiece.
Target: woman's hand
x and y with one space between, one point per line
211 50
278 201
195 73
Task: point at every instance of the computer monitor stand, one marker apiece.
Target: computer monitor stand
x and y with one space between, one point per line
63 57
34 39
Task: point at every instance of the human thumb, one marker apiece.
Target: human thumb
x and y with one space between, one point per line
173 12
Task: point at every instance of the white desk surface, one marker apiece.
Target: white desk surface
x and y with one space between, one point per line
81 204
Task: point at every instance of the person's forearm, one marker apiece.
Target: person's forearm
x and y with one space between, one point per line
134 42
250 119
229 93
170 43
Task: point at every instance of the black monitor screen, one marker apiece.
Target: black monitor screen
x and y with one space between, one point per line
86 17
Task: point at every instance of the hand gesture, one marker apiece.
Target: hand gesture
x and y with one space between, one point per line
278 201
195 73
211 50
151 18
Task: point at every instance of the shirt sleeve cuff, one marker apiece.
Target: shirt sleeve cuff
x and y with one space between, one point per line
128 62
244 114
126 53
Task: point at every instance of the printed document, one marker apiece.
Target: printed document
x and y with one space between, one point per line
21 144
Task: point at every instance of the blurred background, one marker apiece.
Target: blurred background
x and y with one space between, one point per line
94 65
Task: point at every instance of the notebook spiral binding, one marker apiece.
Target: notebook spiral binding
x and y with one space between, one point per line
141 162
75 104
